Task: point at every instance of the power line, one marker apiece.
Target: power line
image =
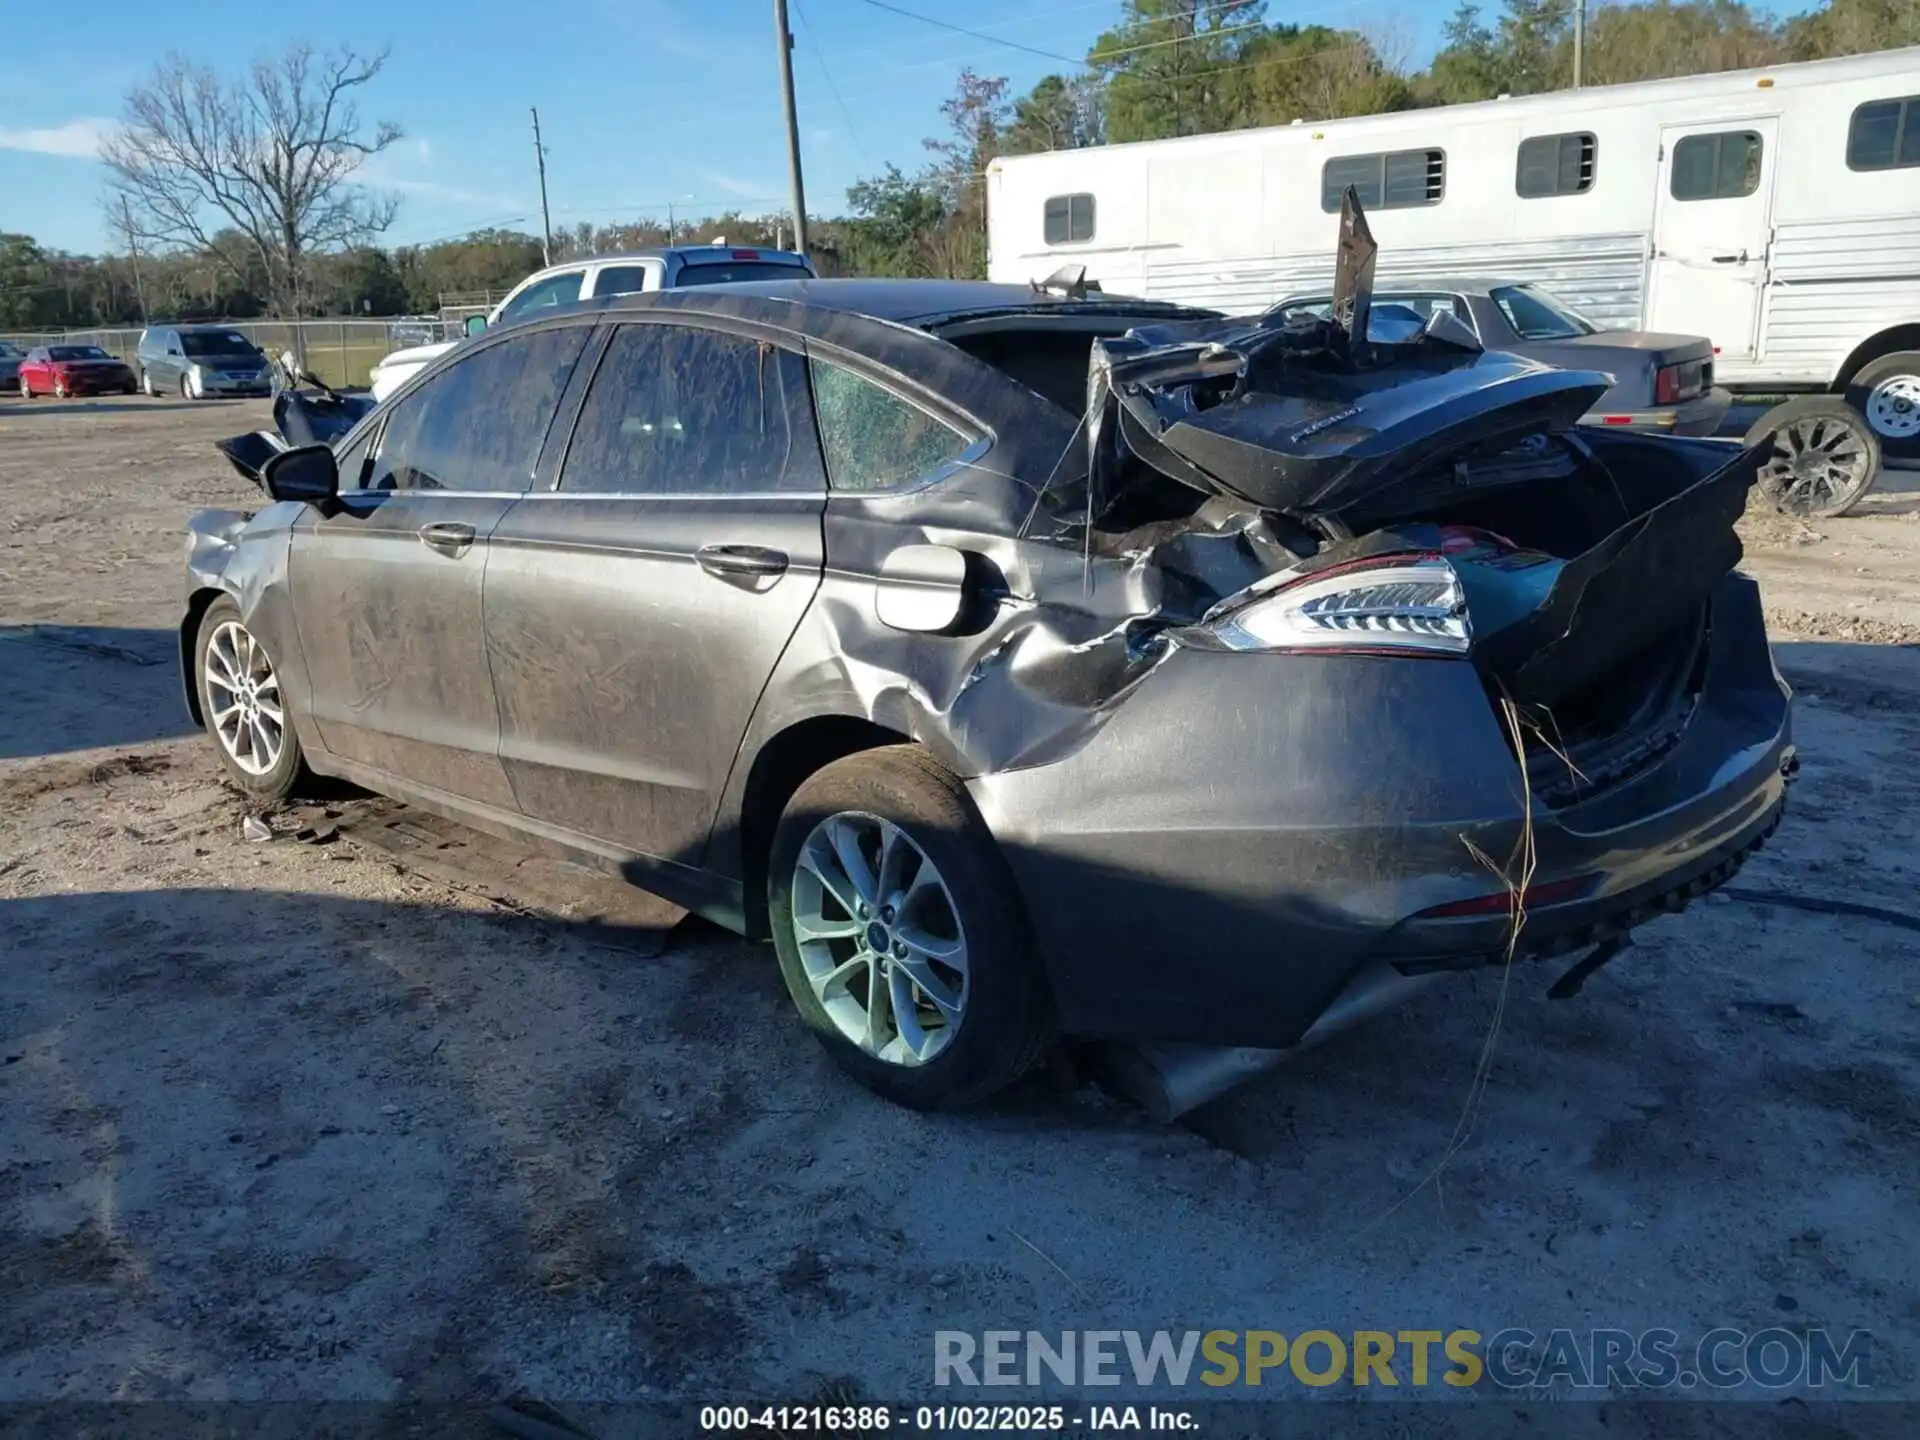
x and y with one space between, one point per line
972 34
820 59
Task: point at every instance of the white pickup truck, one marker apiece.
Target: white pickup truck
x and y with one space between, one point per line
664 268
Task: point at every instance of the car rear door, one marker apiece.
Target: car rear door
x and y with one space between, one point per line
635 611
387 590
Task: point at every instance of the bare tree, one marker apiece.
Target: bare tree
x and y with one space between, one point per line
257 172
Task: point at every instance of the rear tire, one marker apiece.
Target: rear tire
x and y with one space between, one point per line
1887 393
1822 459
262 759
940 906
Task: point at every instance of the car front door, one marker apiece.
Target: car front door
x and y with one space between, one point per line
634 612
387 589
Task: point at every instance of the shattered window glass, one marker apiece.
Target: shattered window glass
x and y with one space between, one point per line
874 440
1884 135
679 411
1721 166
479 424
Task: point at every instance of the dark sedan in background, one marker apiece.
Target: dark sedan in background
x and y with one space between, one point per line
10 357
63 370
1662 383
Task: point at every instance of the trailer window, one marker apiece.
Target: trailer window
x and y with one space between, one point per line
1885 135
1555 165
1069 219
1390 180
1721 166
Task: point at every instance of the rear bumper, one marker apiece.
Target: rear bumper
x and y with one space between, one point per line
1701 415
1249 832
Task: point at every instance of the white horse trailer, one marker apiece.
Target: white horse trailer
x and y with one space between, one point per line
1776 212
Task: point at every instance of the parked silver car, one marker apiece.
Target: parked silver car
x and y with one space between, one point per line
1662 383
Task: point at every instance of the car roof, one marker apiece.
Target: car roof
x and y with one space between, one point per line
686 252
905 302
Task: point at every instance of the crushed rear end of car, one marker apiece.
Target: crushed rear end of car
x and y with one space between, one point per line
1433 677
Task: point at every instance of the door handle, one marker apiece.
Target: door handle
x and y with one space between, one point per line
1739 259
749 560
449 537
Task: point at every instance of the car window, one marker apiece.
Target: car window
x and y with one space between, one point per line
678 411
479 424
352 461
726 272
77 352
203 344
548 294
620 280
874 439
1536 315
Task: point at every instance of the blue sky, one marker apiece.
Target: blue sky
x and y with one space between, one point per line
642 102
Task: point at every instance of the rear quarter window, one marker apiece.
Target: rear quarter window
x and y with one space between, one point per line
874 439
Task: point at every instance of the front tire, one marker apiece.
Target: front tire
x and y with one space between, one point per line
1822 456
26 390
146 385
242 706
901 937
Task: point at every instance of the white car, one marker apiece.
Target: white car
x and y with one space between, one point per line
663 268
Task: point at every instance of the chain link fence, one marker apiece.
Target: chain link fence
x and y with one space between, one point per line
341 352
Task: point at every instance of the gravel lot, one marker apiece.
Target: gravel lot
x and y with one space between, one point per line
296 1121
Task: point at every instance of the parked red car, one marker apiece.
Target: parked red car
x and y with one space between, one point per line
64 370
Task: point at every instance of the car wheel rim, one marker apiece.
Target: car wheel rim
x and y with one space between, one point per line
243 699
1893 407
1814 462
880 938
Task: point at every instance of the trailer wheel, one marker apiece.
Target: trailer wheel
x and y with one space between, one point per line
1887 392
1821 459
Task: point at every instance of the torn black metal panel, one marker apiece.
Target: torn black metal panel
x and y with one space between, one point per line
1354 258
1618 597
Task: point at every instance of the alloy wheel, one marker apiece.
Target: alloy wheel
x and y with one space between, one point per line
1893 407
243 699
1815 460
880 938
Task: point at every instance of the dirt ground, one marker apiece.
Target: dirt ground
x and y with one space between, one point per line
284 1120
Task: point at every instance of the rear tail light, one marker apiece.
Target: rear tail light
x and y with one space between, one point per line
746 254
1398 604
1674 383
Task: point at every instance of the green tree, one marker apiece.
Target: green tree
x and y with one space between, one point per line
1167 64
1058 114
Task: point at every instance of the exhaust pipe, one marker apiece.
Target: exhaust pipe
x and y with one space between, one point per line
1166 1080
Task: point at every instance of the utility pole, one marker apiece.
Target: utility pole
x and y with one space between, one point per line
670 224
133 248
785 37
546 220
1579 39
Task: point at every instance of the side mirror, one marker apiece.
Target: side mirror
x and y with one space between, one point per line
475 324
923 588
309 475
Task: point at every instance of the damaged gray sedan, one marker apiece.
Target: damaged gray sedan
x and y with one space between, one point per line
1023 664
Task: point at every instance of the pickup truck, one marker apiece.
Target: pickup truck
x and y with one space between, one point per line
666 267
